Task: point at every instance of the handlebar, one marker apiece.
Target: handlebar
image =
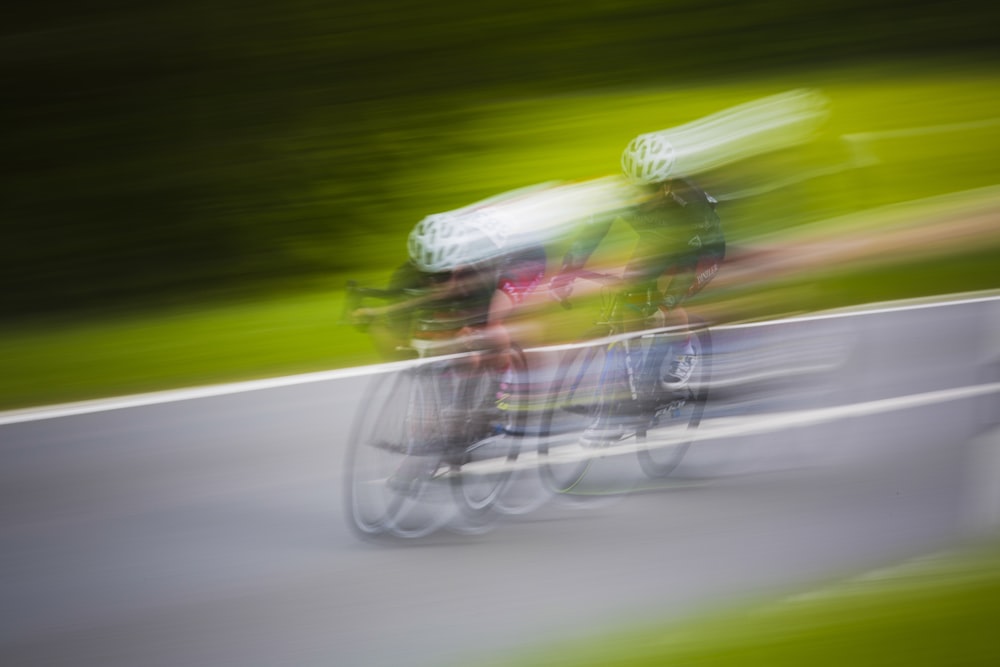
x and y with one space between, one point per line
355 294
606 279
428 316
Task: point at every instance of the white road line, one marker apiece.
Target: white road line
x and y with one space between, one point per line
175 395
872 309
732 427
725 427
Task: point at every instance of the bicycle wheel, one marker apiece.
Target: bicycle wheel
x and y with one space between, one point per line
393 467
588 385
490 437
675 424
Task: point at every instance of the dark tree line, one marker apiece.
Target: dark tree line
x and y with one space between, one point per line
168 148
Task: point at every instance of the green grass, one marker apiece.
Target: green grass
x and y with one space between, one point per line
146 352
506 144
938 612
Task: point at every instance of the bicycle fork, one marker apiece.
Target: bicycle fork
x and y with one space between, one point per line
630 371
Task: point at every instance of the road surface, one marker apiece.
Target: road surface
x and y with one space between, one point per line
211 531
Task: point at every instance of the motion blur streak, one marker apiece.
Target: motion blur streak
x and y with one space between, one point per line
187 186
550 213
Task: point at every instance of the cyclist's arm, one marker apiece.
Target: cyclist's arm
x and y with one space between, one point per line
415 299
501 308
585 243
402 306
494 335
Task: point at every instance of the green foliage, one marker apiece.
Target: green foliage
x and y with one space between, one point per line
484 148
177 148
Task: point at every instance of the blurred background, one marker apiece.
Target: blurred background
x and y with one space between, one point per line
185 157
188 185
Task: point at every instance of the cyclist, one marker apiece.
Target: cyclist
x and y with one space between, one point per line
464 266
464 269
487 258
680 234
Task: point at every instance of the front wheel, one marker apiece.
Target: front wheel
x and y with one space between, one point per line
393 479
680 412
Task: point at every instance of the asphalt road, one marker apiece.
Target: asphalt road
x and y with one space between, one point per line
211 531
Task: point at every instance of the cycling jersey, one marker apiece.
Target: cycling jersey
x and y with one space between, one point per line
466 294
679 232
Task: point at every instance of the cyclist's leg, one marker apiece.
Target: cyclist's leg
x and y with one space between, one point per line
521 276
684 286
644 270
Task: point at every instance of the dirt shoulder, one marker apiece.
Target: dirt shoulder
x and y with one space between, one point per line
891 236
885 236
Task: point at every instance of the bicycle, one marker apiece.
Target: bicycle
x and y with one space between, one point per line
437 435
606 378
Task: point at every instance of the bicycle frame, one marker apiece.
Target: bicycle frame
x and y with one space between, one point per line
626 312
609 388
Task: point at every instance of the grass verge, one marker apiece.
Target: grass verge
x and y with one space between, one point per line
928 612
517 142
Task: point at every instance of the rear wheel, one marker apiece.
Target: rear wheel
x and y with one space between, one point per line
588 386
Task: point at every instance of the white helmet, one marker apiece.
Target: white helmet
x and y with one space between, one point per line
649 158
443 241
